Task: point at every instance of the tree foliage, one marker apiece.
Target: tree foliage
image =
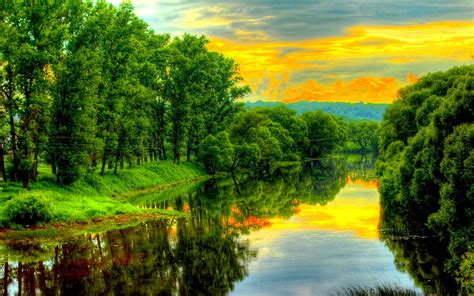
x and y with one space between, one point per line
88 85
260 137
426 165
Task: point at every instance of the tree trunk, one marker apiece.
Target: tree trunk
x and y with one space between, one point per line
10 105
164 152
26 179
42 278
188 152
2 163
14 148
54 168
35 159
104 161
117 158
20 278
104 157
6 275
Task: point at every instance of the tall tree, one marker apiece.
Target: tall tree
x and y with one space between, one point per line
73 122
183 82
322 133
34 42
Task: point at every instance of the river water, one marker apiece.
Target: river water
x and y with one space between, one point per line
305 230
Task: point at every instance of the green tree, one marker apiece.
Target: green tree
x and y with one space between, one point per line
322 133
216 153
31 43
364 133
73 123
183 82
425 166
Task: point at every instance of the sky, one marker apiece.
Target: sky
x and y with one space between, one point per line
325 50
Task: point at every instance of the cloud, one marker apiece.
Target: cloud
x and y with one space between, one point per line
282 46
385 54
294 20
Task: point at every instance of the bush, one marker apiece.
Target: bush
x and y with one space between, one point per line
29 209
93 180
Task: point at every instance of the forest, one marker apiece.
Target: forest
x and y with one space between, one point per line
426 163
349 111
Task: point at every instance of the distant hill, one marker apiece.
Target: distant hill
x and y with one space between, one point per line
347 110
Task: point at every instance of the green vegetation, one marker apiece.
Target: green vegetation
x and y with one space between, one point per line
29 209
87 86
349 111
426 163
378 290
260 137
87 89
92 197
362 136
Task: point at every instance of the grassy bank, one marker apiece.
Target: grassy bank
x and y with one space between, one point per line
94 197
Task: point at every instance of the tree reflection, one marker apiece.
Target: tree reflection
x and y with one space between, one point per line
418 252
148 259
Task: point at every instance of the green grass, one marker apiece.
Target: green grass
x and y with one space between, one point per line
96 197
378 290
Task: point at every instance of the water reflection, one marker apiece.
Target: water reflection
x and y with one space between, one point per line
234 224
418 252
147 259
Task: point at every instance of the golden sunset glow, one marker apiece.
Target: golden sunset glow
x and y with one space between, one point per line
355 210
270 65
367 184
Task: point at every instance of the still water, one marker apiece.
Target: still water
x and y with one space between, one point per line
312 229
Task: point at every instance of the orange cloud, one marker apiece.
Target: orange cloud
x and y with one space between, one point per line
263 63
368 89
412 78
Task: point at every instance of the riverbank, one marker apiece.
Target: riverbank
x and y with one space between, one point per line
92 198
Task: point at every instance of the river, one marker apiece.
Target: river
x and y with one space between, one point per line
312 229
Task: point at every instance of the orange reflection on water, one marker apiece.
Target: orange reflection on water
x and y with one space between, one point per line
251 222
355 209
368 184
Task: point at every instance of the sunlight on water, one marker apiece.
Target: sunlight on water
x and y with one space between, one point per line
356 210
323 248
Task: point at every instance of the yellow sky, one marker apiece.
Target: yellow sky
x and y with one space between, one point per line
269 67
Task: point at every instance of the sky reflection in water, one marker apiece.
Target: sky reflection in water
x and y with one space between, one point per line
323 248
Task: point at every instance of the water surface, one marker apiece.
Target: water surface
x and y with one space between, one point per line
305 230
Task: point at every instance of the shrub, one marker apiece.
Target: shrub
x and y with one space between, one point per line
93 180
29 209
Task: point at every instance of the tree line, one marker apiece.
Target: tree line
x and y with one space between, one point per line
351 111
426 163
259 137
88 85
